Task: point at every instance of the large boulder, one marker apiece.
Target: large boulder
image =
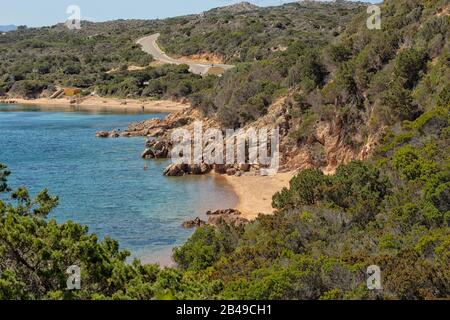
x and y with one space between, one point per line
205 168
156 149
231 171
107 134
244 167
148 154
176 170
220 168
229 216
199 169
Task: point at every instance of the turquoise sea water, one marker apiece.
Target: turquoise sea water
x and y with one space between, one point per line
102 183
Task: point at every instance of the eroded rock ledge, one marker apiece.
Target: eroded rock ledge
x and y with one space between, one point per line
324 146
155 128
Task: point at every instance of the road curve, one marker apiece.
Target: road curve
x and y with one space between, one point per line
150 46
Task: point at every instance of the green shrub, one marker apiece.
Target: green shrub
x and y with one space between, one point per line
408 161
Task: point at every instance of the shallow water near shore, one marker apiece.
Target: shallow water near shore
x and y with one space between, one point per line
102 183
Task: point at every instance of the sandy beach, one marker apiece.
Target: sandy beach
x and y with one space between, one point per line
94 103
255 192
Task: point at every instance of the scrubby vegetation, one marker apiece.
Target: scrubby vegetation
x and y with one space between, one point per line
268 44
276 49
392 211
380 77
321 55
58 56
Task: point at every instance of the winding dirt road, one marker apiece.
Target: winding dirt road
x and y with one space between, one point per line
150 46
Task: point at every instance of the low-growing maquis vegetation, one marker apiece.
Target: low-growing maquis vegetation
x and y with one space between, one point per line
168 81
363 80
391 210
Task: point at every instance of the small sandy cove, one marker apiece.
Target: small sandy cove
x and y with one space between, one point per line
255 192
95 103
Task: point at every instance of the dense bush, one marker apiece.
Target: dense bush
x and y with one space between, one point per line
305 189
28 88
35 254
391 210
357 188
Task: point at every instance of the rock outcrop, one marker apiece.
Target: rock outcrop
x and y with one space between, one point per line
178 170
155 128
108 134
156 149
229 216
326 148
197 222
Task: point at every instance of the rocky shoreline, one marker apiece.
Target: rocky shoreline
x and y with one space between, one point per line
323 148
159 143
228 216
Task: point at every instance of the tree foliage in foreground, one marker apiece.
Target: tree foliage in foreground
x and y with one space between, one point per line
35 254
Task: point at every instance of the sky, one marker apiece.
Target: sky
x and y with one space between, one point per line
49 12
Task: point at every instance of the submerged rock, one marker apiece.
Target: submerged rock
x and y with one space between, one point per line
197 222
156 149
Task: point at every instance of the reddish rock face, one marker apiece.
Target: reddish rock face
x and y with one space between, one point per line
229 216
107 134
177 170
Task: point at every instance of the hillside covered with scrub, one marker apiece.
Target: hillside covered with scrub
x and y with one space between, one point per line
383 96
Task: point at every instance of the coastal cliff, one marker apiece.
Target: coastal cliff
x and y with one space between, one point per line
323 148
